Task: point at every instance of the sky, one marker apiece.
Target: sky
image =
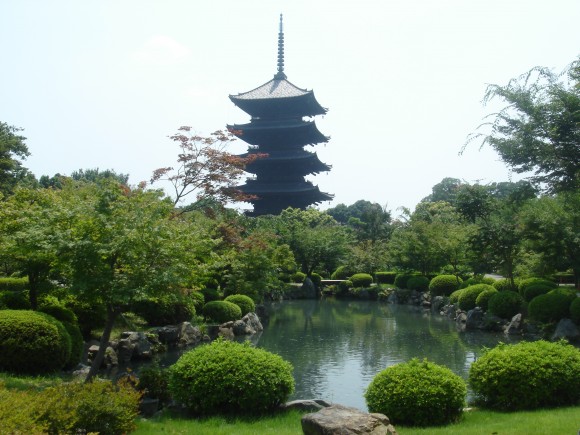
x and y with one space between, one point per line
102 84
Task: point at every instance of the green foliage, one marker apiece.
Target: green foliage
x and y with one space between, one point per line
527 375
59 312
550 307
13 284
444 285
419 283
76 344
89 316
221 311
484 297
505 304
198 300
341 272
245 303
533 290
525 283
385 277
153 382
468 297
417 393
12 151
227 376
17 412
479 279
361 280
298 277
575 311
167 309
94 407
211 294
505 284
454 297
316 279
15 300
401 279
32 343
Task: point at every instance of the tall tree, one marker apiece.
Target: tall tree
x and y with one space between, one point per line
12 151
539 129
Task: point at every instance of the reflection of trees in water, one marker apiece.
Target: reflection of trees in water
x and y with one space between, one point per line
321 338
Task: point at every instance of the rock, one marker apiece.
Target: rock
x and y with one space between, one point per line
241 328
393 298
493 323
308 289
309 405
226 332
81 371
342 420
110 359
449 311
566 329
461 320
187 334
253 321
167 334
437 303
514 326
125 350
474 319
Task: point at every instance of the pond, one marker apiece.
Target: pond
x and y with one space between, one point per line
337 346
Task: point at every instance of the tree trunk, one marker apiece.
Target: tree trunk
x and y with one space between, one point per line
112 314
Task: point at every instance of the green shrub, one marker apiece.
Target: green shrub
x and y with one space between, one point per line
454 297
13 284
168 309
385 277
341 272
444 285
245 303
550 307
361 280
478 279
417 393
525 283
59 312
227 376
316 279
221 311
505 284
527 375
575 311
505 304
77 344
468 297
484 297
401 279
153 382
418 283
568 292
298 277
15 300
533 290
198 300
17 412
211 294
32 342
96 407
89 315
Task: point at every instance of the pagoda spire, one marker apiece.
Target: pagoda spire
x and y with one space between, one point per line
280 74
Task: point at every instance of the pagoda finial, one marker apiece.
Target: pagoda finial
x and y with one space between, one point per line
280 74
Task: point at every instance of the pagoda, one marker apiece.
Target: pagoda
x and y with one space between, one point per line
278 129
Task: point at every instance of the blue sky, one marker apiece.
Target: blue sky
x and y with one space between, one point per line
103 83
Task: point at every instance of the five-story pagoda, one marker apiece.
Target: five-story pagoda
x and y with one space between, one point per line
278 130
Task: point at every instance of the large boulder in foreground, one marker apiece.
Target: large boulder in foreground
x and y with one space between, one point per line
342 420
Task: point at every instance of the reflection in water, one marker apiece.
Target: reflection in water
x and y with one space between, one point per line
337 347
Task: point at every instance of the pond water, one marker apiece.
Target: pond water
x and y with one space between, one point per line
337 346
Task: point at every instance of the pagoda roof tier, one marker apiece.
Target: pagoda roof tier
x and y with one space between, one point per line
281 133
294 161
273 189
278 98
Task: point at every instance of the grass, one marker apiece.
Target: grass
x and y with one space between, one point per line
22 383
476 422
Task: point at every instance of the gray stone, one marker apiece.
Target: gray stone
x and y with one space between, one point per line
449 311
566 329
187 334
309 289
241 328
125 350
474 319
226 333
393 298
168 334
308 405
110 359
493 323
461 320
342 420
253 321
514 326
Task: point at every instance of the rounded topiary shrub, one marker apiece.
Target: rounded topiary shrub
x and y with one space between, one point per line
550 307
76 344
245 303
418 283
454 297
59 312
505 304
385 277
168 309
361 280
221 311
32 342
298 277
484 297
505 284
13 284
575 311
468 298
417 393
402 278
533 290
525 283
316 279
341 272
227 376
444 285
527 375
